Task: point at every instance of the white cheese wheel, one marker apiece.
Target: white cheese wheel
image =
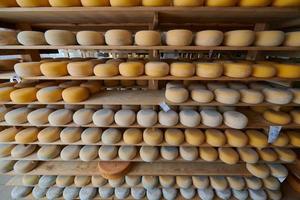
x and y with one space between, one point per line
88 153
188 153
65 3
209 38
166 181
116 182
189 118
239 38
236 182
169 193
70 152
26 69
296 94
277 96
211 118
235 119
227 95
122 193
157 69
60 117
107 153
125 117
98 181
39 192
148 38
91 135
255 3
39 116
209 70
182 69
251 96
23 166
221 3
147 117
48 152
149 182
223 194
133 180
240 194
177 94
127 153
153 136
49 134
154 193
89 38
186 37
138 193
103 117
81 181
148 153
70 134
105 192
278 170
228 155
200 182
258 194
60 37
174 137
218 182
169 153
237 70
292 39
169 118
259 170
8 38
17 116
83 116
118 37
206 193
111 136
19 192
184 181
133 136
31 38
269 38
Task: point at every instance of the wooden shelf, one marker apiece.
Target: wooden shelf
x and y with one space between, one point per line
140 169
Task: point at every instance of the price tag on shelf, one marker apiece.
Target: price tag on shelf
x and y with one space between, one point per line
281 179
274 132
15 78
164 106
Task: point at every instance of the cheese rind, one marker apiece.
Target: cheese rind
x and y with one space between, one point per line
153 136
49 134
133 136
251 96
239 38
54 69
294 138
5 93
89 38
95 3
8 38
287 70
209 38
227 96
215 137
106 69
174 137
257 139
186 37
235 119
81 68
8 3
118 37
148 38
24 95
259 170
60 37
228 155
194 136
33 3
31 38
65 3
188 3
26 69
177 94
27 135
277 117
49 94
17 116
278 96
236 138
202 95
157 69
60 117
237 70
75 94
8 135
292 39
48 152
131 69
209 70
261 70
269 38
39 116
182 69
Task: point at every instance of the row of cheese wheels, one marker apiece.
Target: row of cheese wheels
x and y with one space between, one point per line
120 37
148 137
111 68
89 153
20 192
151 3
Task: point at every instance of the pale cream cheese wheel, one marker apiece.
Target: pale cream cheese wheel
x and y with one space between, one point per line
31 38
60 37
269 38
235 119
209 38
89 38
186 37
239 38
147 38
118 37
227 96
39 116
177 94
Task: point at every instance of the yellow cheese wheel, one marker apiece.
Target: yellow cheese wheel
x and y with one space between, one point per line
81 68
148 38
29 38
228 155
215 137
209 38
287 70
131 69
133 136
253 183
49 134
8 3
65 3
81 181
286 155
125 3
286 3
89 38
153 136
221 3
271 183
174 137
93 86
156 3
255 3
5 93
248 155
294 137
75 94
49 94
257 139
194 136
24 95
261 70
267 154
33 3
29 180
239 38
269 38
236 138
106 69
202 95
27 135
54 69
218 182
236 182
277 117
258 170
292 39
95 3
157 69
118 37
8 38
28 69
251 96
182 69
237 70
295 114
186 37
188 3
60 37
282 140
64 181
209 70
8 135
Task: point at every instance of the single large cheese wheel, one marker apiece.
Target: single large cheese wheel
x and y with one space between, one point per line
54 193
48 152
239 38
89 38
174 137
227 96
23 166
103 117
157 69
237 70
282 140
111 136
208 154
49 134
49 94
274 194
263 70
60 117
153 136
253 183
83 116
235 119
228 155
209 38
24 95
278 170
209 70
236 138
127 153
33 3
70 152
5 93
169 118
184 181
107 153
8 149
271 183
169 153
200 182
267 155
26 69
287 70
118 37
81 181
116 182
75 94
148 38
251 96
19 192
31 38
29 180
65 3
188 153
64 181
39 116
221 3
257 139
218 182
294 137
106 69
91 135
8 135
189 118
236 183
60 37
211 118
105 192
133 136
278 96
255 3
186 37
125 117
27 135
17 116
95 3
215 137
131 69
277 117
81 68
259 170
98 181
70 134
138 193
6 165
149 153
292 39
286 3
149 182
88 153
182 69
133 180
269 38
156 3
166 181
147 117
194 136
177 94
286 155
8 38
54 69
248 155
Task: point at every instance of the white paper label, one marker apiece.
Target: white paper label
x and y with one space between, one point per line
274 132
165 106
15 79
281 179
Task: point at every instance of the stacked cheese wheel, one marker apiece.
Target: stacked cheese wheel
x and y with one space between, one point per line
120 37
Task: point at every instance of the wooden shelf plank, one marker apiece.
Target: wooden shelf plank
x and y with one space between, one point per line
140 169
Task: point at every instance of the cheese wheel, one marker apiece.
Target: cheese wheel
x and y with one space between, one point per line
269 38
8 37
209 38
17 116
218 182
286 155
133 180
39 116
294 137
131 69
8 3
169 118
149 182
257 194
278 170
81 181
27 135
48 152
29 180
148 153
228 155
27 69
282 140
274 194
259 170
49 94
227 95
253 183
148 38
65 3
235 119
255 3
5 93
98 181
295 114
88 153
64 181
124 3
215 137
19 192
147 117
54 192
105 192
127 153
6 166
60 37
81 68
33 3
286 3
239 38
194 136
70 134
91 135
24 95
278 96
292 39
182 69
157 69
267 155
106 69
138 193
118 37
177 94
166 181
296 94
211 118
153 136
107 153
169 153
8 134
189 118
251 96
23 166
236 138
257 139
236 183
111 136
200 182
103 117
207 193
31 38
75 94
186 37
49 134
3 111
184 181
174 137
188 153
95 3
83 116
60 117
209 70
248 155
277 117
70 152
54 69
8 149
287 70
133 136
237 70
87 193
156 3
263 70
117 182
125 117
89 38
271 183
202 95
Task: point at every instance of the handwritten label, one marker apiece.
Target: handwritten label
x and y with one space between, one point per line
15 79
164 106
274 132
